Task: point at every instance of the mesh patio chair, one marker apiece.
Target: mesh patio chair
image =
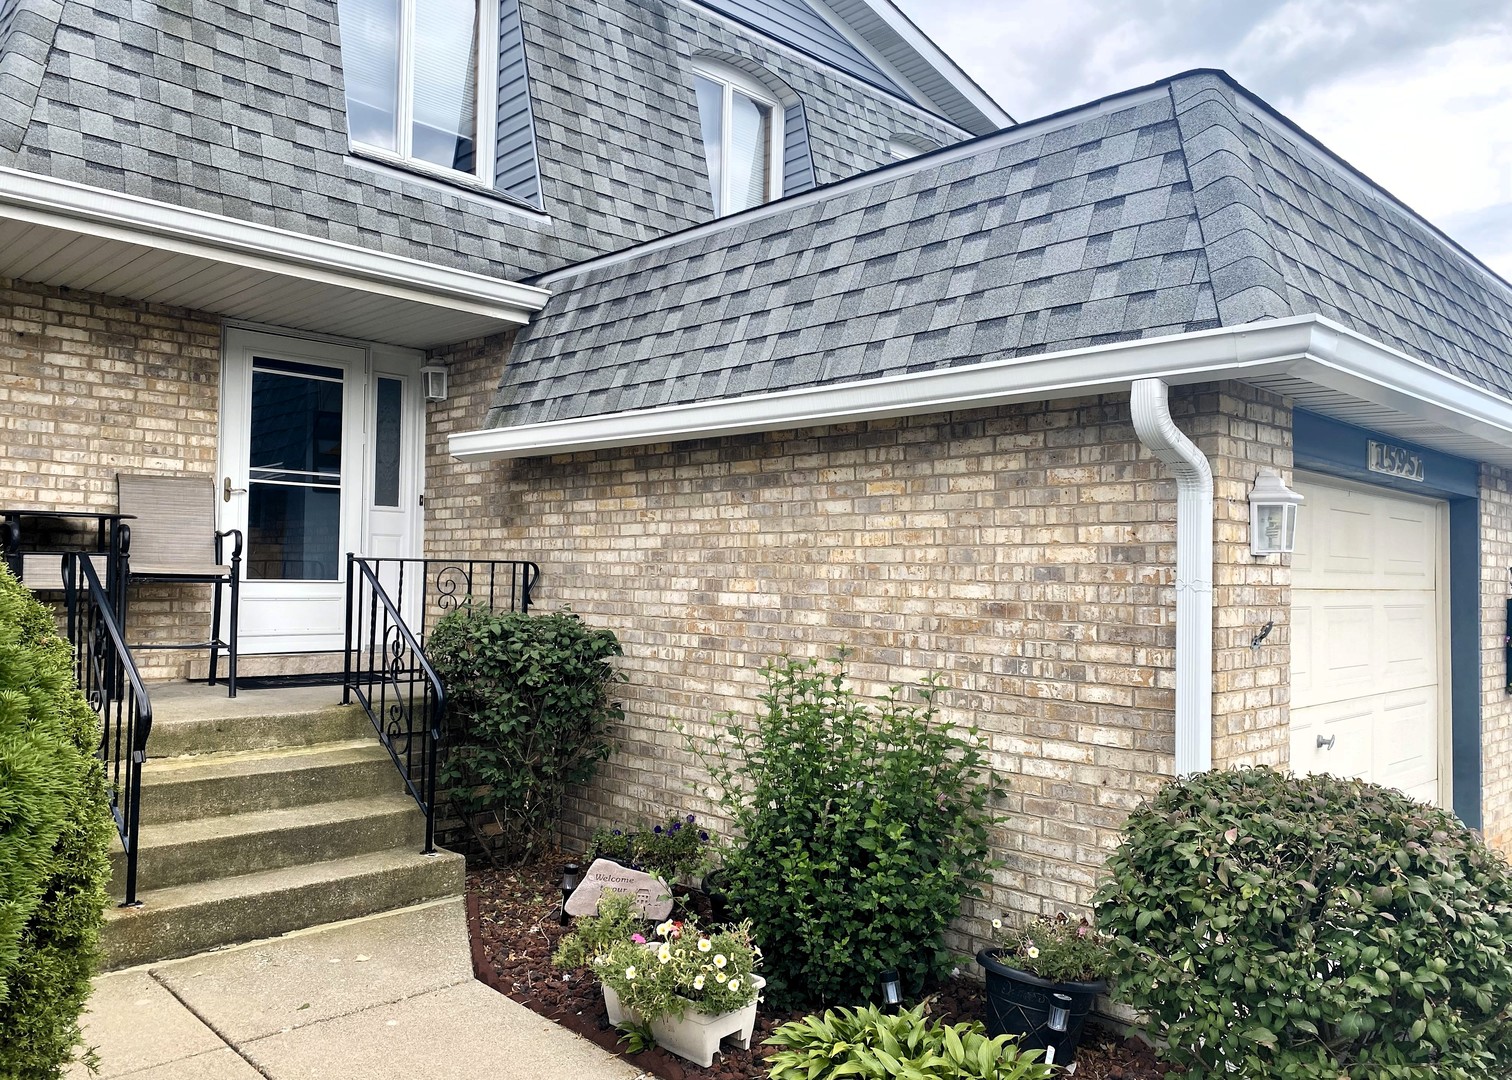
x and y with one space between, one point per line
174 539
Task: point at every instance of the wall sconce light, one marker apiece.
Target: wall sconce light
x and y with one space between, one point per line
433 377
569 883
1273 515
892 989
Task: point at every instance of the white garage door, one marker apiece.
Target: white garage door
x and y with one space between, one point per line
1367 591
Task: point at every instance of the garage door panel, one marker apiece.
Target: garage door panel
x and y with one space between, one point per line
1366 615
1345 730
1406 744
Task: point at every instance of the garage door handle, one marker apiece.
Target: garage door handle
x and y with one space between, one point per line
1326 744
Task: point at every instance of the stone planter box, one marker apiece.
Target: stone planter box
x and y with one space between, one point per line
695 1036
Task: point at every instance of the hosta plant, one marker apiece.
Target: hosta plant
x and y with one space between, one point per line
867 1043
1312 928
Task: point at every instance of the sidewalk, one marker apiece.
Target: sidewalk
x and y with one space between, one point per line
389 996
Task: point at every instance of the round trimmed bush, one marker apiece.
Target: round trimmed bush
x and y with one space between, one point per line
1312 927
55 833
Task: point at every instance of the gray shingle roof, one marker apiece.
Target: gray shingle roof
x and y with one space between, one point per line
239 109
1176 208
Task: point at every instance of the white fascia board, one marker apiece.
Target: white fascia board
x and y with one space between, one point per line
109 215
1307 347
900 24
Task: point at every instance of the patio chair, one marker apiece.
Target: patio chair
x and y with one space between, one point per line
173 539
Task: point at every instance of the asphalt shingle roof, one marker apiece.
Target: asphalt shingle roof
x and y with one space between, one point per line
1176 208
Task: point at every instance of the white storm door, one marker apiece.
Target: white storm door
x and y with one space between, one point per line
292 480
1368 619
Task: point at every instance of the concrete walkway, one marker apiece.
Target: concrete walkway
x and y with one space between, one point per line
390 995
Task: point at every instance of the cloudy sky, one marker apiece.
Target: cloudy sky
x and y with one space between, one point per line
1416 94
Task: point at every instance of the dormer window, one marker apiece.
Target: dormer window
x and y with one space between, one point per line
417 82
741 123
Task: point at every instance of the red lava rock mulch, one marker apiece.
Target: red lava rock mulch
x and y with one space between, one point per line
513 923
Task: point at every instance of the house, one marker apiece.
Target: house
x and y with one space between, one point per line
765 330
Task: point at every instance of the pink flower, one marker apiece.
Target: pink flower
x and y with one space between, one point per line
638 939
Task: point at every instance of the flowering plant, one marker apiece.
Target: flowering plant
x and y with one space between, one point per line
1056 948
682 967
675 850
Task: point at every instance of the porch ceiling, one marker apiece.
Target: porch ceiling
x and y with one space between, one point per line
72 236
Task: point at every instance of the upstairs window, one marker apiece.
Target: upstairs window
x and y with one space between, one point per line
741 124
419 76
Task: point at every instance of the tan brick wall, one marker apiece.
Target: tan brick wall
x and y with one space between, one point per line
91 385
1496 704
1025 552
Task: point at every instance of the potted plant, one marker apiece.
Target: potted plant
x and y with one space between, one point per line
675 850
1042 980
684 987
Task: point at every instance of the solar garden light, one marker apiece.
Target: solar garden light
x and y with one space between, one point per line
1060 1012
892 989
569 882
1273 515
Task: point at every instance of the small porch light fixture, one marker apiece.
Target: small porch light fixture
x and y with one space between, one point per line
892 989
1273 515
433 378
569 883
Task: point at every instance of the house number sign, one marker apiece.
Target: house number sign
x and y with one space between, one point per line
1395 461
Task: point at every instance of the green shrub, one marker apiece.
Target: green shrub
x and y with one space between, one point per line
675 850
1312 927
528 713
862 828
55 833
870 1043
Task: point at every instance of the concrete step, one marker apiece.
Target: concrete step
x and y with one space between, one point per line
183 852
236 782
188 718
187 919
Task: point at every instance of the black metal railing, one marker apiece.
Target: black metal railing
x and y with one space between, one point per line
108 676
392 604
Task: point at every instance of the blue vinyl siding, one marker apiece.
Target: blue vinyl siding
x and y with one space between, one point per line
797 161
794 23
515 169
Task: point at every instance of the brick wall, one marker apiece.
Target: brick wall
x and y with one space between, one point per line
1025 552
91 385
1496 704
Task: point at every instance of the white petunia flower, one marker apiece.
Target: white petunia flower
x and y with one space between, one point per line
704 944
720 978
664 954
997 924
719 960
735 984
1032 953
698 981
630 972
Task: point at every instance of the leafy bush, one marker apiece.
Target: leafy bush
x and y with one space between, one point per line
1056 948
861 831
529 714
682 968
55 833
674 851
1313 927
870 1043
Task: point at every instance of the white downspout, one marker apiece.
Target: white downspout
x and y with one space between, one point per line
1150 405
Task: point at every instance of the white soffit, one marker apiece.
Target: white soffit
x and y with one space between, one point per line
67 235
1318 363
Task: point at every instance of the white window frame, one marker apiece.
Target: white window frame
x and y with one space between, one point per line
732 78
485 142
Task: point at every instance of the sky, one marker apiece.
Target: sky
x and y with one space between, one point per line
1416 94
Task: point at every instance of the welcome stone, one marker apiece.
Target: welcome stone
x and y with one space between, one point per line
651 894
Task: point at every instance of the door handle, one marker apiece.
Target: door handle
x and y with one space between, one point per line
1326 744
227 490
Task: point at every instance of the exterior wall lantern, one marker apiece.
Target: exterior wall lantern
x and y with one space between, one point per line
433 378
1273 515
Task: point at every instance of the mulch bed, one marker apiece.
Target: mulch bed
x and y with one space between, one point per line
513 922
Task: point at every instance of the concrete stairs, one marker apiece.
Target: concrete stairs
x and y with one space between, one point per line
272 812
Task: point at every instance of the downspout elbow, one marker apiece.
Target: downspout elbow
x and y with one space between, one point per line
1149 402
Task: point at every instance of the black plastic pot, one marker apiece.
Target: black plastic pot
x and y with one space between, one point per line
1045 1015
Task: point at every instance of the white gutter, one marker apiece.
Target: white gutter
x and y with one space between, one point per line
1150 405
1305 347
108 215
